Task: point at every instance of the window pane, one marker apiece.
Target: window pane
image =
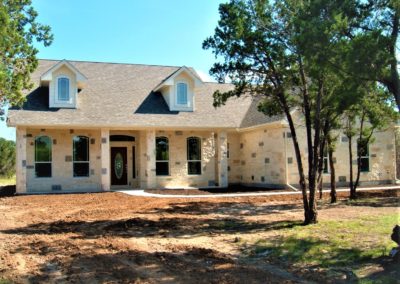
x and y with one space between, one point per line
81 169
364 165
182 93
43 169
194 168
43 149
162 152
162 168
193 148
63 89
81 148
325 165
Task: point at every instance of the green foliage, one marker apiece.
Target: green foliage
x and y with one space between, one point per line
18 33
333 244
7 158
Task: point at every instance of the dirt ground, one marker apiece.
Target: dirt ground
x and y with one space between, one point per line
116 238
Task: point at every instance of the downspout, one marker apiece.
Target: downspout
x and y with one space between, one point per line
286 163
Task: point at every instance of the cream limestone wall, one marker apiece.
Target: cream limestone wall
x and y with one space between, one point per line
178 160
234 158
256 158
382 161
262 158
62 165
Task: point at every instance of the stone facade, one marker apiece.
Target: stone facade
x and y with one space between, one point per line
261 157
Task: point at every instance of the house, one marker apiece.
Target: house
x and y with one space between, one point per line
90 126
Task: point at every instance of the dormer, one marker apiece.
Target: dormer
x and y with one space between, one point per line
179 88
64 81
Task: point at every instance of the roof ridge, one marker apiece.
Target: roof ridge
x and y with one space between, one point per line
119 63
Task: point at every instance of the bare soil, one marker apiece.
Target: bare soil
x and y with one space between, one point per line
116 238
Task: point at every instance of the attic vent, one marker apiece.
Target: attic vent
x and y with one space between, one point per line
56 187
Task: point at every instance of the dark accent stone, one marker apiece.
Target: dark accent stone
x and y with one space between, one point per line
103 171
92 141
342 179
103 140
68 158
30 167
266 160
24 163
290 160
56 187
54 141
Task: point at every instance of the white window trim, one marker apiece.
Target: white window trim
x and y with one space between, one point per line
51 162
187 93
327 164
69 89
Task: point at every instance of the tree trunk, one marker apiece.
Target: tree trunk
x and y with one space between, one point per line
332 171
300 168
321 166
394 72
352 189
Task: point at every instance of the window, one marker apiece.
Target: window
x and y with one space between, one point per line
43 156
363 153
63 89
81 156
162 156
194 155
181 93
326 162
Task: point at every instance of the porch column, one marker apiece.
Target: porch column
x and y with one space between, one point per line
21 160
105 159
148 156
222 165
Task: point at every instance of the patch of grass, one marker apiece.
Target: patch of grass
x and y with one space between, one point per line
4 281
7 181
329 244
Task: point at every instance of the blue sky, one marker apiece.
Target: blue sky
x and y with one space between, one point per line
164 32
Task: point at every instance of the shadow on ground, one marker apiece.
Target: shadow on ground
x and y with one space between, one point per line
141 227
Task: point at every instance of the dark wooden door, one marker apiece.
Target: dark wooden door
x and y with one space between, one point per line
119 166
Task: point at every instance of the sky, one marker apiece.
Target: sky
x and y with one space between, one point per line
161 32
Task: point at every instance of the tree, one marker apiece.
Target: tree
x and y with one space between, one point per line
367 39
375 112
264 47
18 33
7 158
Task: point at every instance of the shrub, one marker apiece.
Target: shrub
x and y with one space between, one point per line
7 158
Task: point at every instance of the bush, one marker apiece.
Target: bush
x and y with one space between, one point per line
7 158
8 190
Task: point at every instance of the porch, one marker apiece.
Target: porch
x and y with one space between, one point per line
119 159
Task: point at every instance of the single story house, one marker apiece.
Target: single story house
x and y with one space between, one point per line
91 126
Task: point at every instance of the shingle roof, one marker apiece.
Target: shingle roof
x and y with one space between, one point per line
120 95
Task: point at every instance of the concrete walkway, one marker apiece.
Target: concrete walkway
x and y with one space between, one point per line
141 192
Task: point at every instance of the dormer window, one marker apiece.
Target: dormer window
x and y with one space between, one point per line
182 93
63 88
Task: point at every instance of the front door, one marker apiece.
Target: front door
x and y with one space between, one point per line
119 166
